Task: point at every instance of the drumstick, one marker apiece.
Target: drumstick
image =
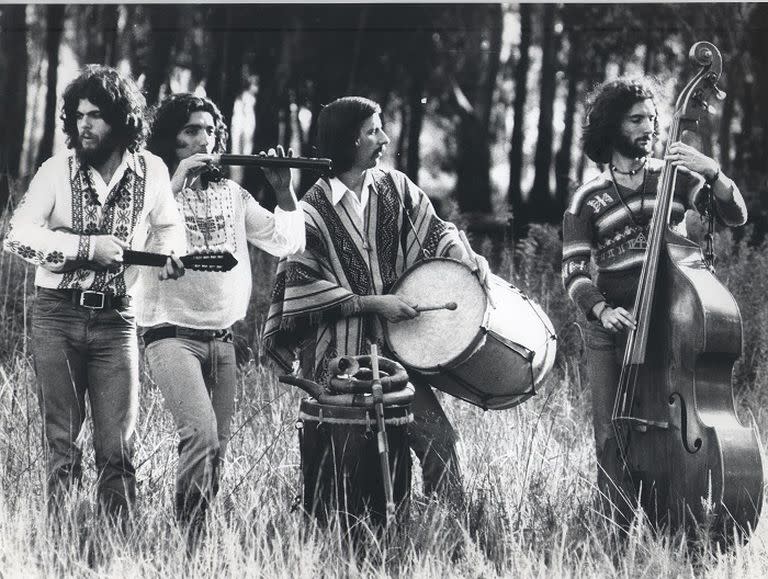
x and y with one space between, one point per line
445 306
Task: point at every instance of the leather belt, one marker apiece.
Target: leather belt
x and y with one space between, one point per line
161 332
94 300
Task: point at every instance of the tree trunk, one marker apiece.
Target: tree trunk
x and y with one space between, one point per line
273 65
473 188
54 14
563 157
13 105
401 153
415 123
109 19
515 192
541 194
163 22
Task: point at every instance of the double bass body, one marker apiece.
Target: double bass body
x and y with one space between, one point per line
692 462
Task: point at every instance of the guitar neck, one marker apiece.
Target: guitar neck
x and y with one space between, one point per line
131 257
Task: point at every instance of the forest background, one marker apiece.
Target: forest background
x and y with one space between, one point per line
484 105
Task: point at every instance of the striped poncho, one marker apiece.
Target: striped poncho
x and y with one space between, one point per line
598 225
342 261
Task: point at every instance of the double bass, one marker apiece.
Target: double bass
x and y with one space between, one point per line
682 453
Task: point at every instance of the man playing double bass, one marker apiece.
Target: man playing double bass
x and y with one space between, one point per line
607 221
328 300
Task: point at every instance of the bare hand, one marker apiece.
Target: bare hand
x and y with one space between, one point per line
190 169
690 159
108 250
394 308
279 178
478 264
173 268
617 319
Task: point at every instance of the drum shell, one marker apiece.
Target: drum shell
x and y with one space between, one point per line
502 371
341 469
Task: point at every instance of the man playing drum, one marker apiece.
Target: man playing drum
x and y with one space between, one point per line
365 226
608 220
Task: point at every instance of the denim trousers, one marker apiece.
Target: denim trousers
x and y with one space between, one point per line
78 352
197 379
605 353
433 440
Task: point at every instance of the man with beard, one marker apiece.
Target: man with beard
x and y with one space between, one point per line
188 340
83 208
365 227
607 221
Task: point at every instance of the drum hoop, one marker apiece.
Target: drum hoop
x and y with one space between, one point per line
467 352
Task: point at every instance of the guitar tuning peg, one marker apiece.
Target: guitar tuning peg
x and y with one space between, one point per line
711 110
719 94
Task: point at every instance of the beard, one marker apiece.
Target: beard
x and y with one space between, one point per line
96 156
629 148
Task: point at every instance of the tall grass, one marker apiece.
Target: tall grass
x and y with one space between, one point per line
529 472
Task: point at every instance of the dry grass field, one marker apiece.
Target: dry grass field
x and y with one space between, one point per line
529 473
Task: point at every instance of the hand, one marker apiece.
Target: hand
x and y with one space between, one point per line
690 159
190 169
617 319
279 178
478 264
173 268
393 308
108 250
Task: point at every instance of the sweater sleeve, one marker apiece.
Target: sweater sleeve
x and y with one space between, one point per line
578 242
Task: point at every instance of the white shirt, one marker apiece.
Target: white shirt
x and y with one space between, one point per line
223 218
339 189
54 224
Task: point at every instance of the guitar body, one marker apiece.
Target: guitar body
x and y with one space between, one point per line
695 464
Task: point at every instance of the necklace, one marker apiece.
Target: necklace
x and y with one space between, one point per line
631 172
621 197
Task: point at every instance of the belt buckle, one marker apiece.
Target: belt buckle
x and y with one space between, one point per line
92 300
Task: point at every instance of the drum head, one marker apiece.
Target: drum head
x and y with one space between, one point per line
439 338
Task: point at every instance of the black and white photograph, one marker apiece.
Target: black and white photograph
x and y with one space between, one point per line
383 290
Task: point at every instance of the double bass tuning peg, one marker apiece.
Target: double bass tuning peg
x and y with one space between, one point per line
719 94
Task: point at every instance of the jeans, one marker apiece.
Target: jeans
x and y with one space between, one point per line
80 351
605 353
433 439
198 379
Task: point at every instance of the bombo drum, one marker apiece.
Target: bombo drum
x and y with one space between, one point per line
340 461
490 352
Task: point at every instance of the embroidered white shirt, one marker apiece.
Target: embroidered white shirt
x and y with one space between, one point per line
224 218
54 224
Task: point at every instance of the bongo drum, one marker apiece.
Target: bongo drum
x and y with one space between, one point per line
340 461
491 353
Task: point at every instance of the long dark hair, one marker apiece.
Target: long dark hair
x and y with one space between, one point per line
169 118
606 106
120 101
338 127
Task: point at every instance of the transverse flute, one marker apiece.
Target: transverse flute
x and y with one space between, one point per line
317 164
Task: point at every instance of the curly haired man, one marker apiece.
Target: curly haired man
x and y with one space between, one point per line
83 208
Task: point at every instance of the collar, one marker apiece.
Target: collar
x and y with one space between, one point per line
339 189
129 160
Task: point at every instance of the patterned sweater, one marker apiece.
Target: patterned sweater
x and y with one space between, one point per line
613 231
